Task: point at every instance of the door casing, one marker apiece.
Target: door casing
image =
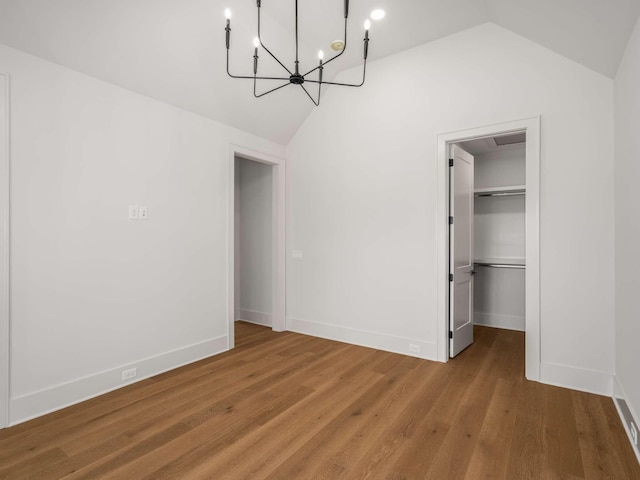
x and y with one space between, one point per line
531 126
5 309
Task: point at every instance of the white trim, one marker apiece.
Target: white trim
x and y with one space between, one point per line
279 245
590 381
365 338
498 320
532 275
5 259
626 413
40 403
251 316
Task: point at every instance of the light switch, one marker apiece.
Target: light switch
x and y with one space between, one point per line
296 254
143 213
133 212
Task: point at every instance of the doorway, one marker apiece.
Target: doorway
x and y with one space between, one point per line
4 250
530 249
256 240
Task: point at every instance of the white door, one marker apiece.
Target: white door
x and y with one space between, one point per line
460 251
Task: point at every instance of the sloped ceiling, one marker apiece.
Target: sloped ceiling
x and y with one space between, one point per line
173 50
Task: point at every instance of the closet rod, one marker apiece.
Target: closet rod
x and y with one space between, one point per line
499 265
499 194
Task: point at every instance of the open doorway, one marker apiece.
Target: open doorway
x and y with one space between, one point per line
487 239
507 196
253 242
256 240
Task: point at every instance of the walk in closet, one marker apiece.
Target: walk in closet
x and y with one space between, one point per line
499 231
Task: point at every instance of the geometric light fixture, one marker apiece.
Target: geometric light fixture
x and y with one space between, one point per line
294 77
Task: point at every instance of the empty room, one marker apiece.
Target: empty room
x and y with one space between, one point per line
348 239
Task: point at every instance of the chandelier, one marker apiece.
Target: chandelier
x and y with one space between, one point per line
295 77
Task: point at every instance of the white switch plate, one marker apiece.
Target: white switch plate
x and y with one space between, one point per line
143 213
133 212
296 254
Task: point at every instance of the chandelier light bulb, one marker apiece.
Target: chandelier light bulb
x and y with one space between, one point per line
321 55
227 13
256 42
378 14
367 24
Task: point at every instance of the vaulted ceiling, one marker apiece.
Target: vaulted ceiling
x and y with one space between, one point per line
173 50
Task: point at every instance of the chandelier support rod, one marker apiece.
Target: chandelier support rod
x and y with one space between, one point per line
252 77
264 46
343 84
310 97
297 62
258 95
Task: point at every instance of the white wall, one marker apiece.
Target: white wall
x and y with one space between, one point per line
627 126
92 292
499 297
254 231
501 167
362 197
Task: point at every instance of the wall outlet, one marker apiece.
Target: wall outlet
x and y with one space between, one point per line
129 374
634 433
414 348
296 254
143 213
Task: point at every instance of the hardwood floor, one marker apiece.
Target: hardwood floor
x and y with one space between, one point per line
287 406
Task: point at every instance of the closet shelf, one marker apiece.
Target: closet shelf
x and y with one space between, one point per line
500 191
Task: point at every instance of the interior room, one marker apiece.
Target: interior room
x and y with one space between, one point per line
340 239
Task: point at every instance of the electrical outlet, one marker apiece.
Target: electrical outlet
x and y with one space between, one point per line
634 433
296 254
414 348
129 374
143 213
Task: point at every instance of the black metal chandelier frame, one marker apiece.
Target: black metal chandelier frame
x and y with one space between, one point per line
295 77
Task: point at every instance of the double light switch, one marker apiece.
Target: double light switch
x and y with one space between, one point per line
138 213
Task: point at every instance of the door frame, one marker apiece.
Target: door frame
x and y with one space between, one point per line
532 208
278 237
5 268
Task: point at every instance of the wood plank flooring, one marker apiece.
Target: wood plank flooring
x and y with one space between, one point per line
287 406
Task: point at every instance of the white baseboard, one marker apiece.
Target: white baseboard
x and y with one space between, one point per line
40 403
252 316
591 381
508 322
380 341
626 412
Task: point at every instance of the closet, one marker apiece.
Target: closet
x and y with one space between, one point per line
499 231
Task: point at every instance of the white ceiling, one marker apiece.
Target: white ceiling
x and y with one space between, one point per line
173 50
